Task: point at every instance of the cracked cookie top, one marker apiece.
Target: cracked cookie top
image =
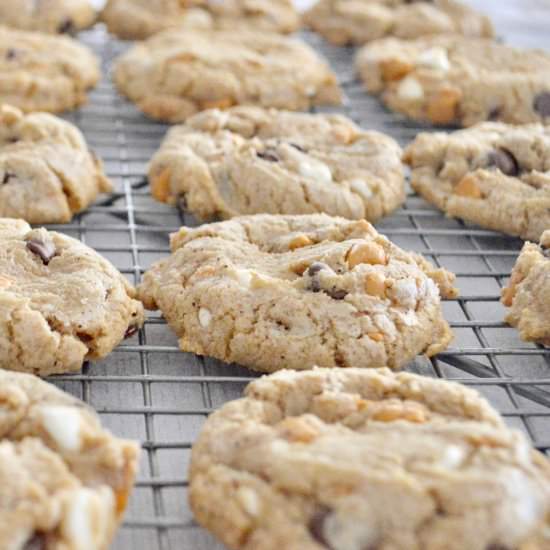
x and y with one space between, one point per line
273 292
343 22
249 160
65 480
492 174
528 292
51 16
47 172
139 19
41 72
174 74
367 459
60 302
456 80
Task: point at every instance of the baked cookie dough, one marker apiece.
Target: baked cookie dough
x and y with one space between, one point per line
139 19
274 292
174 74
528 292
456 80
51 16
249 160
41 72
65 480
367 459
47 173
345 22
61 303
494 175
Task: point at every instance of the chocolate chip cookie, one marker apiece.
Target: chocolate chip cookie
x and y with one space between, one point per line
139 19
61 303
174 74
249 160
367 459
528 292
47 173
456 80
65 480
51 16
41 72
343 22
273 292
492 174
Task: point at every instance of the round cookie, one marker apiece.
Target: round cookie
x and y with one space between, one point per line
65 480
456 80
139 19
528 292
274 292
51 16
493 174
248 160
343 22
61 303
367 459
41 72
174 74
47 173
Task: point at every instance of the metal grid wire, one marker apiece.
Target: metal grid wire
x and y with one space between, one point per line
149 390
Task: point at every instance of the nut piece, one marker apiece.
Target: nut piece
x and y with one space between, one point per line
443 108
366 253
160 186
467 187
394 69
299 242
375 284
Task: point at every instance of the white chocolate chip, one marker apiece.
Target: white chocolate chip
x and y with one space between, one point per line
410 89
545 239
385 325
348 532
243 276
85 524
311 91
452 457
63 426
205 317
249 501
409 318
405 293
316 170
434 58
361 188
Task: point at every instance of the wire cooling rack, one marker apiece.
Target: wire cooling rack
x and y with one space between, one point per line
148 390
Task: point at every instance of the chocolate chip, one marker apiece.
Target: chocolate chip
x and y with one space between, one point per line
542 104
296 146
7 177
11 54
317 526
268 155
504 161
498 547
495 114
182 203
336 293
37 542
66 27
315 267
45 249
130 331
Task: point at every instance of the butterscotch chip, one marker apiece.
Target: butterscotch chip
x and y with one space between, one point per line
467 187
65 479
64 304
423 463
175 74
255 307
443 108
528 293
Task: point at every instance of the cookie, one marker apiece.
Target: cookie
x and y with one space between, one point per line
174 74
65 480
41 72
47 173
139 19
51 16
357 459
494 175
248 160
343 22
456 80
61 303
528 292
274 292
